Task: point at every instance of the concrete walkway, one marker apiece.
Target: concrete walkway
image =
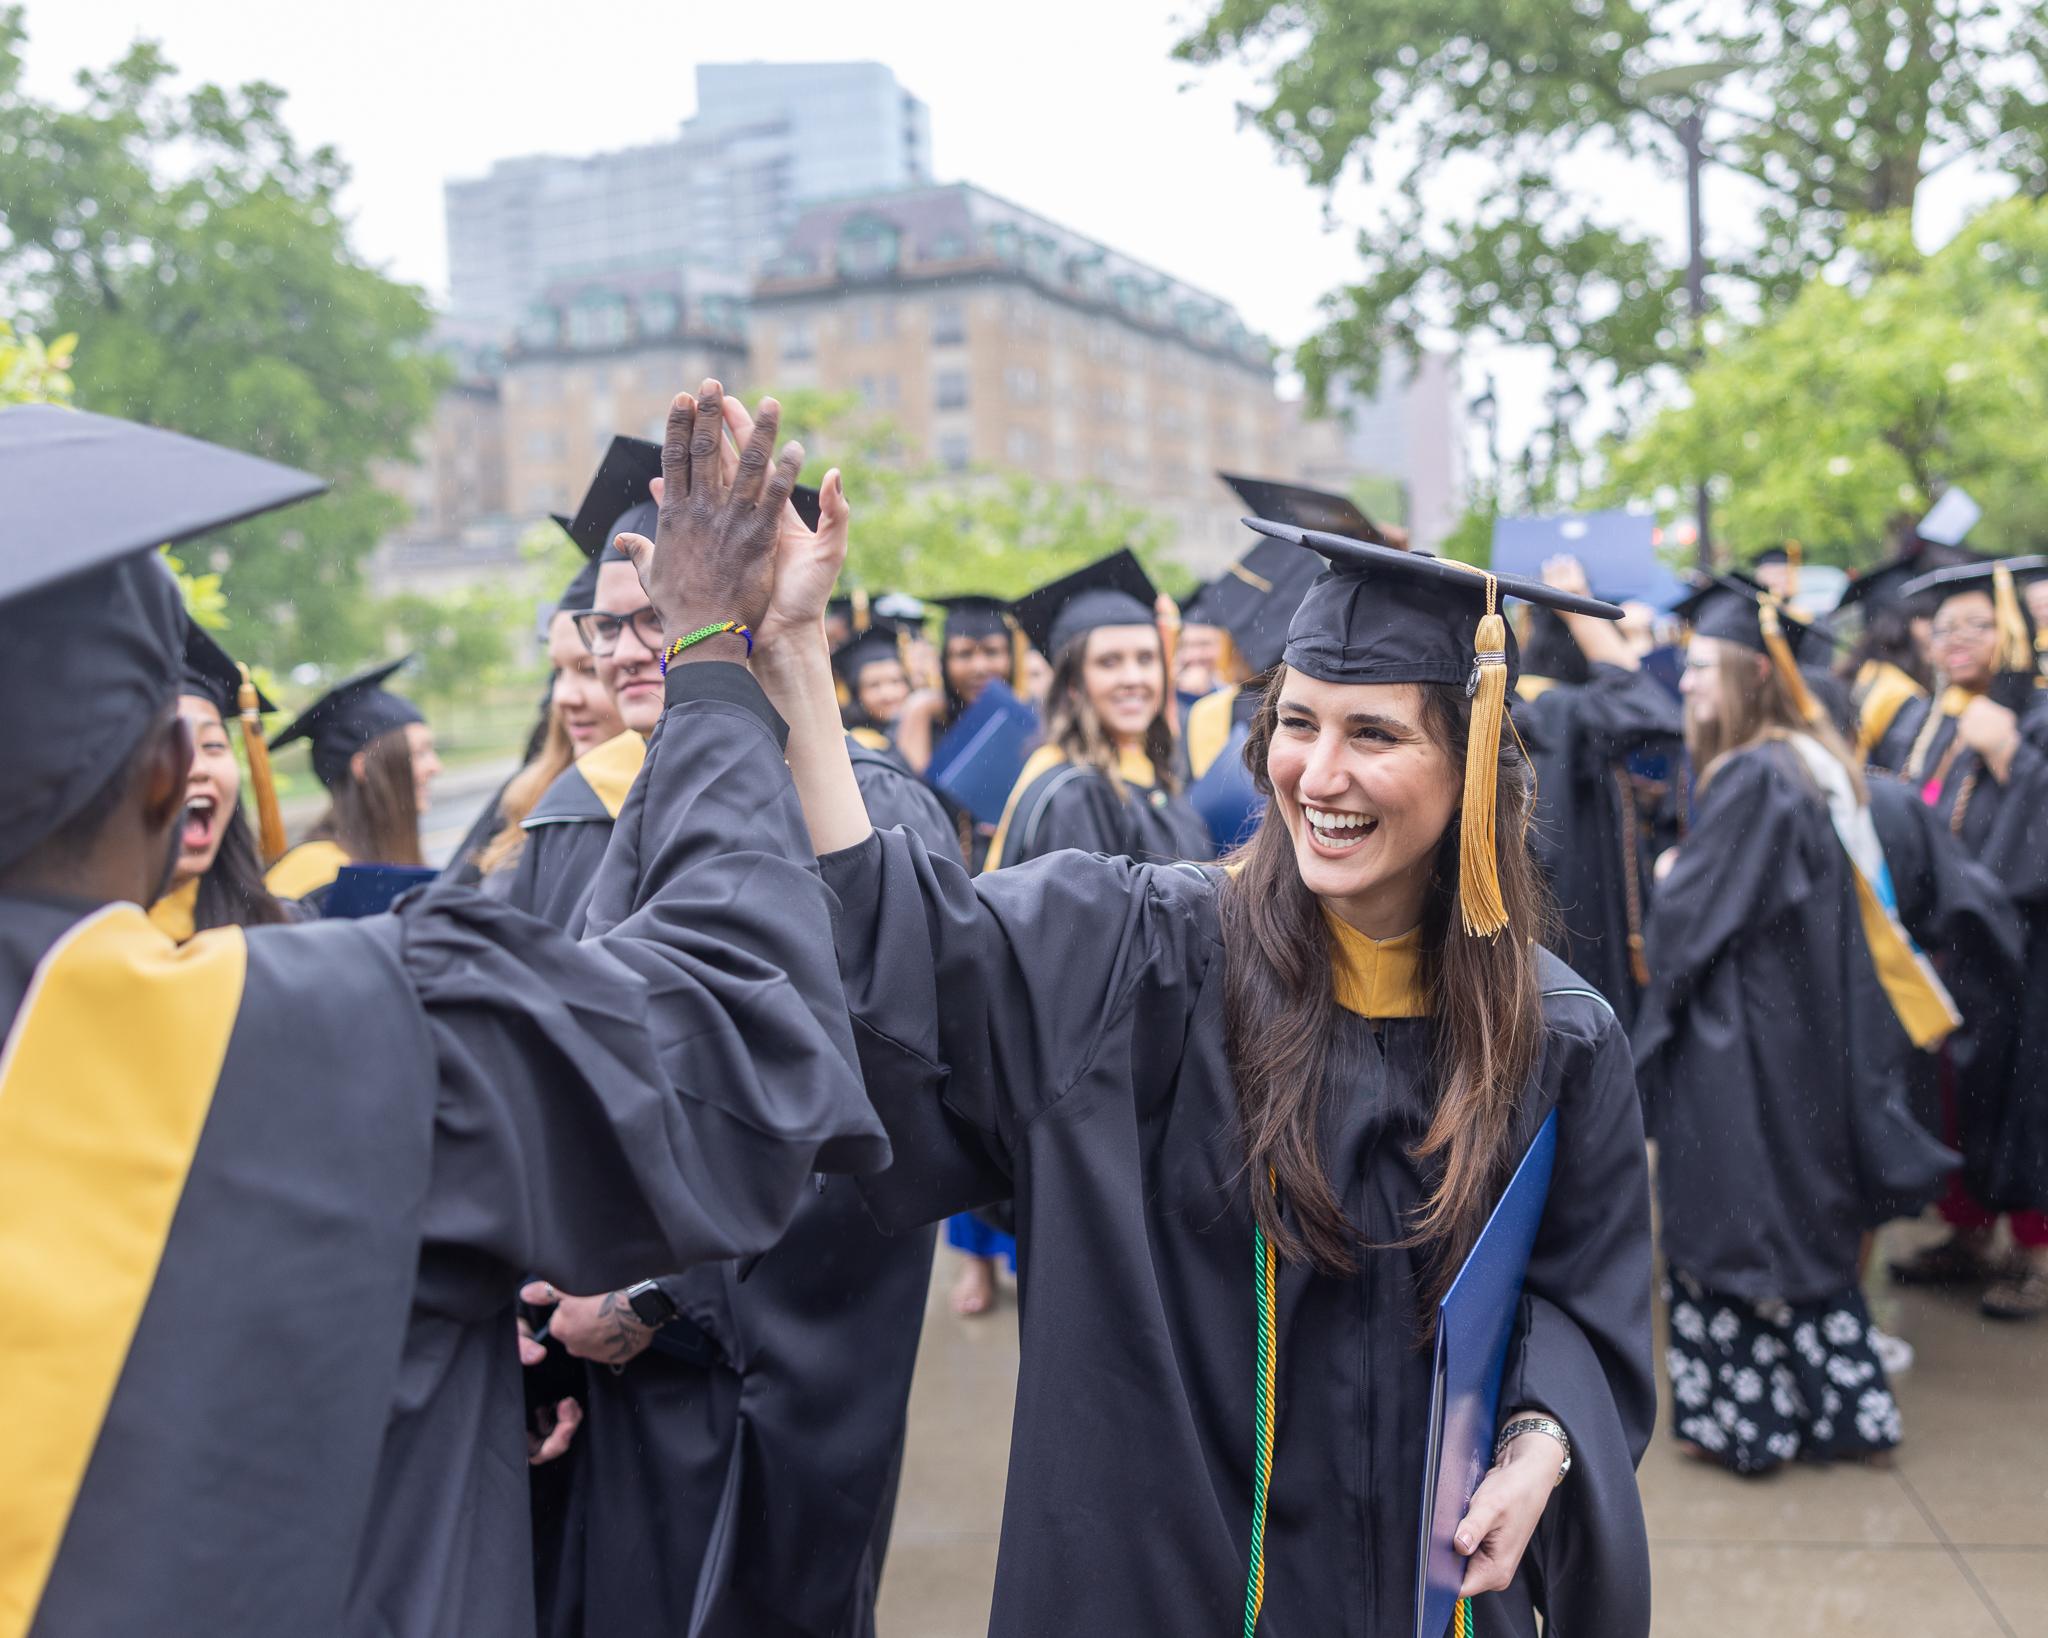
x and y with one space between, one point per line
1950 1542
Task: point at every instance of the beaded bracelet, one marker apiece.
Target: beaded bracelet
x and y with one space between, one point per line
700 634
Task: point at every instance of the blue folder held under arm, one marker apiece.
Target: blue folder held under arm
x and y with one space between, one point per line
368 890
978 761
1474 1323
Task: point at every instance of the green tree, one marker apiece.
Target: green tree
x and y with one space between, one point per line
1475 112
936 533
1838 421
205 254
32 373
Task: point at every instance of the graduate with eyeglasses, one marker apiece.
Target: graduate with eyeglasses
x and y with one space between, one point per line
1321 1065
267 1195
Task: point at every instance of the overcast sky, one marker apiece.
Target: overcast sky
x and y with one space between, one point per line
1074 109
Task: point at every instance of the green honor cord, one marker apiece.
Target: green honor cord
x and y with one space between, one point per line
1265 1286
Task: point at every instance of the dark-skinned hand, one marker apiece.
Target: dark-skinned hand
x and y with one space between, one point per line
713 557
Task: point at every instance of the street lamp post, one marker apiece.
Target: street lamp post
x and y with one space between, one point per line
1690 129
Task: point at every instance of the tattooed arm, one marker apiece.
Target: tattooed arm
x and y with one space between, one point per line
603 1330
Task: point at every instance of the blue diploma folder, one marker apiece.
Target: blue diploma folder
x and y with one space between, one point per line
1473 1325
978 761
367 890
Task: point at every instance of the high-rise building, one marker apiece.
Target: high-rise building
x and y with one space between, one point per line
767 139
1410 433
993 339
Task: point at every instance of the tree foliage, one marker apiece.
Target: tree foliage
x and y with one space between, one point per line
1840 420
1475 111
32 373
936 534
204 253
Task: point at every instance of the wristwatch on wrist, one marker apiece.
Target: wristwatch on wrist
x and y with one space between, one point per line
1535 1424
652 1306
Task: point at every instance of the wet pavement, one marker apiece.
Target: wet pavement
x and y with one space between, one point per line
1951 1541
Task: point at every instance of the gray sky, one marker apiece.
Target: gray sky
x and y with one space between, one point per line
1070 107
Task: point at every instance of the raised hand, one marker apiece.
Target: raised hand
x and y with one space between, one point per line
713 557
807 563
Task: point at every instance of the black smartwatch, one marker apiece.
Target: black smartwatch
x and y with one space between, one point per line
652 1306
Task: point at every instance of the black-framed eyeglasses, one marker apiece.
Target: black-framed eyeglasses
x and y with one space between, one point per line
600 631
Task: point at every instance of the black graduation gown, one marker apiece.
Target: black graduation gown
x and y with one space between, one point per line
738 1479
1589 834
1061 804
317 1428
1056 1030
2004 1118
1773 1069
1888 717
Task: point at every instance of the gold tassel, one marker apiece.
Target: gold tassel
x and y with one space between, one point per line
1020 648
861 617
1787 668
2015 652
1479 900
1793 554
269 817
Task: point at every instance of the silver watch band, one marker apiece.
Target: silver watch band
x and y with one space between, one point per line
1535 1424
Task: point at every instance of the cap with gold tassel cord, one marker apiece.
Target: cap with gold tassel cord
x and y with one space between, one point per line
1380 615
1732 608
212 674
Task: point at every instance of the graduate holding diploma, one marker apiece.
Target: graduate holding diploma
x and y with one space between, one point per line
1252 1121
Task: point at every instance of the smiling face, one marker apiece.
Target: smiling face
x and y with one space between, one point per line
631 673
972 662
1124 676
882 687
588 715
1366 794
211 789
1965 640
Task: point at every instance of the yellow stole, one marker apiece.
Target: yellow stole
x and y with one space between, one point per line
1376 977
1884 690
172 915
98 1127
306 869
1529 689
873 738
1135 766
610 769
1208 729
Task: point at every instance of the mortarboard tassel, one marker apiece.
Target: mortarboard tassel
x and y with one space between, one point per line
1782 662
269 817
862 618
1020 650
1479 900
2015 651
1793 554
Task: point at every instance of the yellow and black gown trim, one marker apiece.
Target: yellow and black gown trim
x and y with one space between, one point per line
1210 720
1882 691
306 869
1374 978
1134 766
98 1129
175 915
604 777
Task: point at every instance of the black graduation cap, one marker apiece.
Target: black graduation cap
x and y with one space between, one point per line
1111 591
1731 607
1379 615
1770 555
92 626
619 487
1255 598
1979 576
87 490
896 612
1303 507
974 615
212 675
349 716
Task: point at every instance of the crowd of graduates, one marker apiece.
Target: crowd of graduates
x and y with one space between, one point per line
1210 967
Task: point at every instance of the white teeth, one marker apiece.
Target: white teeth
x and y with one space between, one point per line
1324 820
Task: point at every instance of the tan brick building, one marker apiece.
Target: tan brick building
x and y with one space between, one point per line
995 339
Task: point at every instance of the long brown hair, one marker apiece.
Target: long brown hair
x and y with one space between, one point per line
375 818
1752 705
526 787
231 893
1486 1011
1074 725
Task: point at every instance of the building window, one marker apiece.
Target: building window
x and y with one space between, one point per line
867 248
949 324
874 320
950 389
953 452
1021 380
1022 444
796 338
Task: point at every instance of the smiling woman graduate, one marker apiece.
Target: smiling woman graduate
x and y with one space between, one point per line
1318 1070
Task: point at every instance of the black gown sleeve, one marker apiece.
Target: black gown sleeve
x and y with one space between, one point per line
895 796
656 1097
978 1002
1583 1341
1618 713
2016 848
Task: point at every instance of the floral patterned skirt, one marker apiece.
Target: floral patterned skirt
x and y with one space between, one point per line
1757 1384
